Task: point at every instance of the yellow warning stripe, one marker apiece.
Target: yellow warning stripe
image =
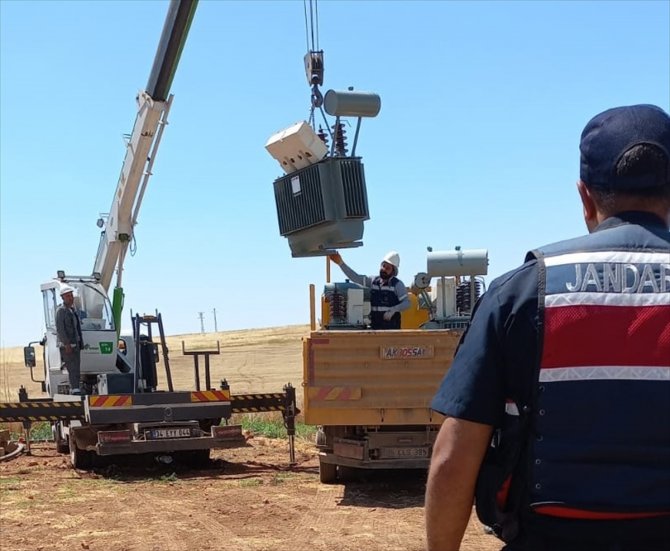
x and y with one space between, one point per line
108 401
256 396
32 418
332 393
210 396
18 405
262 408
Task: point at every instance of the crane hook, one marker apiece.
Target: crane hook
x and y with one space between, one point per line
317 97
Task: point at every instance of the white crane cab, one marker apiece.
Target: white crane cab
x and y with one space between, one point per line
99 335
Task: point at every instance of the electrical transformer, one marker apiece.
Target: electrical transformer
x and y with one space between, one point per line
322 199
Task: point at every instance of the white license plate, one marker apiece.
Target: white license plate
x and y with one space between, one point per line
404 453
157 434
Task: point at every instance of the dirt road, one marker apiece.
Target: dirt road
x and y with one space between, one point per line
249 499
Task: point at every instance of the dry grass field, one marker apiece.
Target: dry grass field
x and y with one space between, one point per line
248 499
257 360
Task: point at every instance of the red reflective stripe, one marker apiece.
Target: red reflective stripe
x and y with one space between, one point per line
503 492
606 335
121 400
113 400
324 392
568 512
209 396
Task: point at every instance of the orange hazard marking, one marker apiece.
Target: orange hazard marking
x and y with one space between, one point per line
210 396
335 393
110 401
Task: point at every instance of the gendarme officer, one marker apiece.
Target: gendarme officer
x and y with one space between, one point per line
558 399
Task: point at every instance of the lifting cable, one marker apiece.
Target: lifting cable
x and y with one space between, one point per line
312 25
314 62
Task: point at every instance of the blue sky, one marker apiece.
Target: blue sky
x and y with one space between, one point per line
476 143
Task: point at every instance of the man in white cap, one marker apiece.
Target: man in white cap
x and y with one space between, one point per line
388 295
70 340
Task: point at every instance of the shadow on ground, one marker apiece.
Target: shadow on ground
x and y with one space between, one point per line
391 489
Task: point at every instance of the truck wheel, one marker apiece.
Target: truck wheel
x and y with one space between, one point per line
327 472
62 446
80 459
61 443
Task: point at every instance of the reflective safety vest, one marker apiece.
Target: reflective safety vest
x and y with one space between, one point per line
383 295
601 442
593 441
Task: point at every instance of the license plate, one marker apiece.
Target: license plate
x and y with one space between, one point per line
404 453
158 434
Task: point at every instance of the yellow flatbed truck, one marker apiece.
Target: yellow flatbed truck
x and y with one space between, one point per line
369 392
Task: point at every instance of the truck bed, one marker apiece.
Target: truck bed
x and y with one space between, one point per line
375 377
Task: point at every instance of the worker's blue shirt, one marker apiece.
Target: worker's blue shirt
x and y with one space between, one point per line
496 357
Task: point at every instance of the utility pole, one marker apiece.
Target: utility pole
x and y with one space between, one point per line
216 327
202 321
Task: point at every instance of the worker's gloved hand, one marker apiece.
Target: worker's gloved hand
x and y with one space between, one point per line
335 257
388 315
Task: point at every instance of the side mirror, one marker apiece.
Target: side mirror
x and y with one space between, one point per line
29 356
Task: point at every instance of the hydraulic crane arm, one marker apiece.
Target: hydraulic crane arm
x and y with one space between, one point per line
173 38
153 107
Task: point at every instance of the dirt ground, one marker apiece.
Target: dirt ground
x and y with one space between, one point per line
247 499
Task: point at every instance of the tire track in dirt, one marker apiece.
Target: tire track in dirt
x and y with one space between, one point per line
193 518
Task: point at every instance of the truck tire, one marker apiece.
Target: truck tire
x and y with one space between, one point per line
327 472
62 445
80 459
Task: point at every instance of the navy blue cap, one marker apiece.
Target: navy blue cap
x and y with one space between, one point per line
612 133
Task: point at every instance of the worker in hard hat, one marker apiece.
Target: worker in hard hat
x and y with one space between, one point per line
70 341
388 295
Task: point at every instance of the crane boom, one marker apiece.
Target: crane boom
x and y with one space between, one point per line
153 107
135 172
176 27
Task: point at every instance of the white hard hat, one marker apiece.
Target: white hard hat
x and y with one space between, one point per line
66 289
393 258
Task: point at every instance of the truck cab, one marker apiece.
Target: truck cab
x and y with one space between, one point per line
99 334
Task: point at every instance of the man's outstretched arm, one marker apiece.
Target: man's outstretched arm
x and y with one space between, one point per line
457 456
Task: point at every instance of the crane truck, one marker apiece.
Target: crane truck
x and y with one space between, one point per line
122 410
